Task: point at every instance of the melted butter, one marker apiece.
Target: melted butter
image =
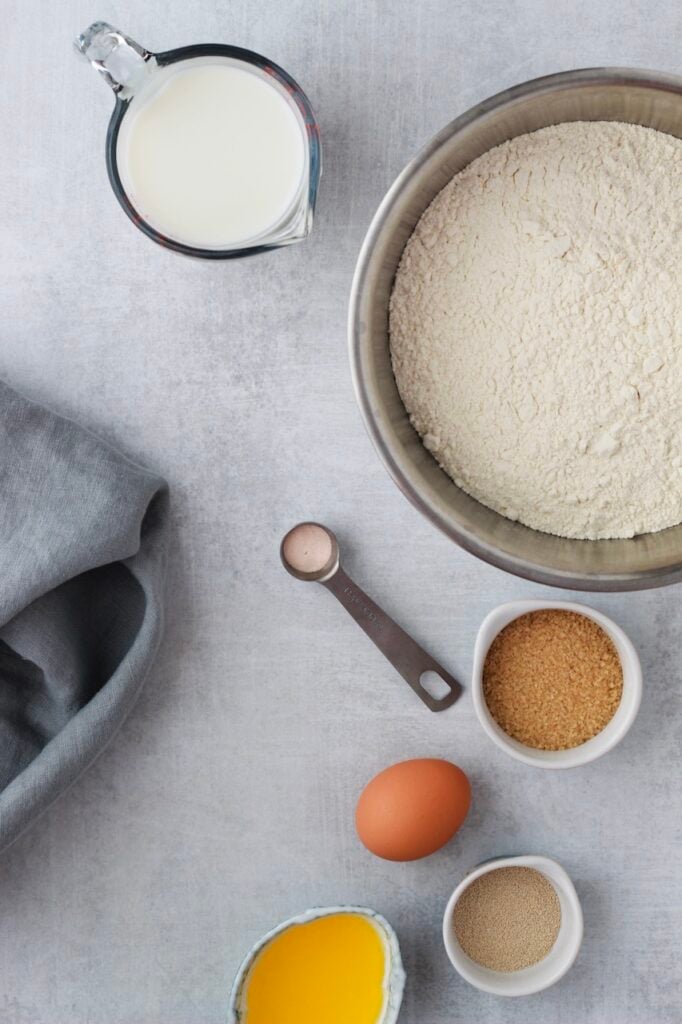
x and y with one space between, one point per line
327 971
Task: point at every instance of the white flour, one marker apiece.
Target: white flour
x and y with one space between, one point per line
536 329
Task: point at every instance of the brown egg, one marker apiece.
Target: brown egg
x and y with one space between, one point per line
412 808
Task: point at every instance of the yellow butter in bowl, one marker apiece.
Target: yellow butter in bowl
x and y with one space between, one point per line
333 966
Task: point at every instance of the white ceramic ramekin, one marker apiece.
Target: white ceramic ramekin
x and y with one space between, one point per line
395 975
601 743
540 975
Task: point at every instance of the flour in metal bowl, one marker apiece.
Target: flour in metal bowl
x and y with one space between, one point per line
536 329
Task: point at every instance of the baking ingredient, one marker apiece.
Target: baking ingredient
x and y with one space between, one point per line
552 679
508 919
210 152
412 808
307 548
332 969
536 329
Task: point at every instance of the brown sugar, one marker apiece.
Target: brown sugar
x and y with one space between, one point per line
508 919
552 679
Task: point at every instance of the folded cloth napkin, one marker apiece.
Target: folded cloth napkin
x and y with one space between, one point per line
83 538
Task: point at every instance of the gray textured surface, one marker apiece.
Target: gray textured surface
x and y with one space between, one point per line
225 803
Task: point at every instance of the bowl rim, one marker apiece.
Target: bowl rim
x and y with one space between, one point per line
560 879
532 570
612 733
395 977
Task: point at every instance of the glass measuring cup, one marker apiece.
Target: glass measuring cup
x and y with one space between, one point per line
135 74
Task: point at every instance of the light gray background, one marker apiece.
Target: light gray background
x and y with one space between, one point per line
226 802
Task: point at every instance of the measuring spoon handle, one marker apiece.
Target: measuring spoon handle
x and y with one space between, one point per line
406 656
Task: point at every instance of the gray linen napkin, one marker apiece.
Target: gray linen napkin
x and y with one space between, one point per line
83 538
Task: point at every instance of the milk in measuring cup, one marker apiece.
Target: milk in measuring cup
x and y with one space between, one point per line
210 153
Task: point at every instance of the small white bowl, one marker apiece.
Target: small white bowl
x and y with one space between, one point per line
610 735
547 971
394 981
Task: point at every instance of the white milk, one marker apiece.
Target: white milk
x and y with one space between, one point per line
210 153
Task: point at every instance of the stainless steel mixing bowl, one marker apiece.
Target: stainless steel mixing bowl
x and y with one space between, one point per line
600 94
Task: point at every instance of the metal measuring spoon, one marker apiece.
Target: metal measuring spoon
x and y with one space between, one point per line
310 552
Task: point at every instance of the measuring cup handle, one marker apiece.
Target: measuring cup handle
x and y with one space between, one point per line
406 656
121 61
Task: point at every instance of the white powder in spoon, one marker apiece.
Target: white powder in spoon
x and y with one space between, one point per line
536 329
307 548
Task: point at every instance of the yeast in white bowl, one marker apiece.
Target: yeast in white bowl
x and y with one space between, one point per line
548 970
